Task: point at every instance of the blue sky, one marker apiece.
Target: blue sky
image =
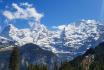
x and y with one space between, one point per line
58 12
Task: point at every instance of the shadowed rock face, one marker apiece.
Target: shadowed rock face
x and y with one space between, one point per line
93 59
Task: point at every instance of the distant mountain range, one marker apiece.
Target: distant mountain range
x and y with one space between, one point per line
66 41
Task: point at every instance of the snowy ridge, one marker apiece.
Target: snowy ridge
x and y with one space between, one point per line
65 38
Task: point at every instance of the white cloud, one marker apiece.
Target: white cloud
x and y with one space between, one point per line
23 13
26 4
61 27
31 24
8 14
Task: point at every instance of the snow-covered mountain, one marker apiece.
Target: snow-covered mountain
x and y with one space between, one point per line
74 38
4 42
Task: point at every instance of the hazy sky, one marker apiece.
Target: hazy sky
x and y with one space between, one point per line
55 12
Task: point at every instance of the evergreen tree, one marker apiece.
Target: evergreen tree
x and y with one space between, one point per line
14 59
37 67
55 66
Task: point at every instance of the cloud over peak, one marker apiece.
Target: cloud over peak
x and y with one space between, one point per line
23 13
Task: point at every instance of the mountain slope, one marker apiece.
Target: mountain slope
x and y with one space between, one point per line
29 54
4 42
93 59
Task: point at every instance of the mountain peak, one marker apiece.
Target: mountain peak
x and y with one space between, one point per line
75 37
6 31
11 26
